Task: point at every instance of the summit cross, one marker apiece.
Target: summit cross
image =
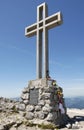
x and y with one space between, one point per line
40 28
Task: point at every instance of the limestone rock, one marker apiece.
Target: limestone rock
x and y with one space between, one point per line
46 95
41 115
47 108
26 101
41 103
13 128
30 108
21 107
29 115
49 117
38 108
25 96
25 90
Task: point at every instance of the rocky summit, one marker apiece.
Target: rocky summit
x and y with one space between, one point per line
43 102
13 117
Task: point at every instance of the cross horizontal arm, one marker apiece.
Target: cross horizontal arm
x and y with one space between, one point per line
53 20
31 30
50 22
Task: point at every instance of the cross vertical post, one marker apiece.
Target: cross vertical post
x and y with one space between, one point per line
44 23
41 15
45 42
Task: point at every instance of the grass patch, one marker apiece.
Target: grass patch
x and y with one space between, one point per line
47 126
30 124
42 126
15 109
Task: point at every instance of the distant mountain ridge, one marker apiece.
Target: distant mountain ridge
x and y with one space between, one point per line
75 102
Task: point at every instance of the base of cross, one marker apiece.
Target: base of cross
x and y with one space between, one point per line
44 102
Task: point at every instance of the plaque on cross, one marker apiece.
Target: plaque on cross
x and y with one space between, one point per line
43 24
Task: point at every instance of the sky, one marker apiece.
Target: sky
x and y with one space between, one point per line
18 53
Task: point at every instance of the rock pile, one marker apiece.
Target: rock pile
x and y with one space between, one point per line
13 117
44 102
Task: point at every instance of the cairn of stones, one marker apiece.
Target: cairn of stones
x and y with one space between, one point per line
42 98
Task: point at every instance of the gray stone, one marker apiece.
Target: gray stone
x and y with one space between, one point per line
43 82
49 117
32 87
41 115
30 108
9 105
25 90
46 90
41 102
38 108
29 115
26 102
13 128
46 95
21 107
22 113
36 114
36 82
25 96
47 108
48 102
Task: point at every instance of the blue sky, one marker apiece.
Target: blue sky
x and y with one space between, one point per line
18 53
